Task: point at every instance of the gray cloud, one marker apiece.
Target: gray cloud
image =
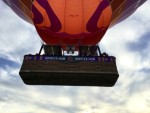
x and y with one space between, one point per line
141 44
146 70
139 85
7 62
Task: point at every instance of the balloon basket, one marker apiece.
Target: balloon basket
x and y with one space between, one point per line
69 70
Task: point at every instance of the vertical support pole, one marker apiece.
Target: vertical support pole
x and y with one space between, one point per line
41 49
99 50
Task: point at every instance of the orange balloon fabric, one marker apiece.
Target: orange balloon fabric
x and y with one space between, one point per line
71 21
82 22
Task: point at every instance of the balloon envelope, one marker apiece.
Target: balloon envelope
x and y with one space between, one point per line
73 21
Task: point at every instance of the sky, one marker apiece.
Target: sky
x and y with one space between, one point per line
128 41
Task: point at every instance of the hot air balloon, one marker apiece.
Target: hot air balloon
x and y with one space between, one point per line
71 26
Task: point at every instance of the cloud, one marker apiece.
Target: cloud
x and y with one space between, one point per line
6 62
127 41
141 46
17 36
